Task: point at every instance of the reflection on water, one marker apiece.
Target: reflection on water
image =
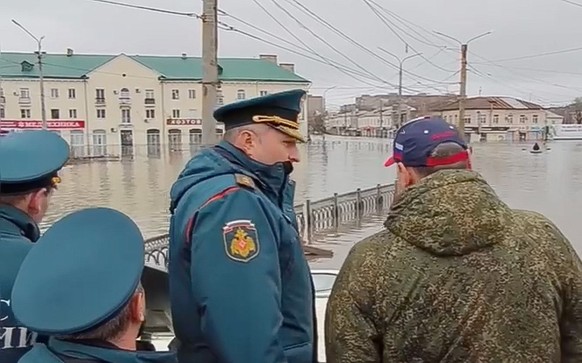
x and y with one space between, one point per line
138 185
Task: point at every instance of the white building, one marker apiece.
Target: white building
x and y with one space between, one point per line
501 118
100 102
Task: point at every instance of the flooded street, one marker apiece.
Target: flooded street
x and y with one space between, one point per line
549 183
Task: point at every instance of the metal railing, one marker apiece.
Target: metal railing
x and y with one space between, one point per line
312 217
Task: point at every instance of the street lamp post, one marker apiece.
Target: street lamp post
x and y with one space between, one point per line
400 71
463 88
40 72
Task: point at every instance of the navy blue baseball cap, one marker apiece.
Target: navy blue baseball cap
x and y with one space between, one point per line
416 140
279 110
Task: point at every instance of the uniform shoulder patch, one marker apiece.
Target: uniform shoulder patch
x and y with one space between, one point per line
241 240
245 181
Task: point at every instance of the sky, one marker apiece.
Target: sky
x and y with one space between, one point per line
342 46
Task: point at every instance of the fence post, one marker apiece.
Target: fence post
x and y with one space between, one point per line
335 212
308 220
378 198
358 203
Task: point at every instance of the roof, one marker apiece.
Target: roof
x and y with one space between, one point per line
78 66
496 103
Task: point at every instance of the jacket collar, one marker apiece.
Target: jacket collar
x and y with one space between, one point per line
19 222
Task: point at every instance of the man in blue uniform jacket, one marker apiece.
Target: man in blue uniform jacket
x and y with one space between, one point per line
240 286
81 284
29 163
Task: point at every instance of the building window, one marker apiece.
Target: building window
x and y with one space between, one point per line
175 113
99 143
149 97
72 93
195 136
150 113
77 143
24 93
54 93
126 116
495 119
522 119
2 113
175 139
124 95
534 119
153 137
509 119
263 93
240 94
55 114
101 113
175 94
467 120
100 95
24 113
72 113
191 93
482 119
219 98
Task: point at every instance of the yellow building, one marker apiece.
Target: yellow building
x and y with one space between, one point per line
101 102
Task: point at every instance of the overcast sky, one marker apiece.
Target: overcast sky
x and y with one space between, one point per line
523 29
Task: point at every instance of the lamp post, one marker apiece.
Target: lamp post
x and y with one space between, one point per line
41 76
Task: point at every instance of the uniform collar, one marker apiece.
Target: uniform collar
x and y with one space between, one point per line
21 222
274 176
82 351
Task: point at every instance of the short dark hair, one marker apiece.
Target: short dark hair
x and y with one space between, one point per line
444 150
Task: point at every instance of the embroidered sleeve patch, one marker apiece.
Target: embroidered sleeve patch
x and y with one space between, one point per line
241 240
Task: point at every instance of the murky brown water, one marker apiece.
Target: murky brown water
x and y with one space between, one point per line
549 183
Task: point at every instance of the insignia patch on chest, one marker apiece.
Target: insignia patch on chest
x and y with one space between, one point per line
241 240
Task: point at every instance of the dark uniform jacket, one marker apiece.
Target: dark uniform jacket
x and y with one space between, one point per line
17 234
240 286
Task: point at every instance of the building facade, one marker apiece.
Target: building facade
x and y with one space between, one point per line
101 104
501 118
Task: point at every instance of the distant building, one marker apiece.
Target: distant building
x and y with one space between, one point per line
101 102
316 112
501 118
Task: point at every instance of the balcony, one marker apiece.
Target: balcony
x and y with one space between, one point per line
150 101
124 101
100 100
24 100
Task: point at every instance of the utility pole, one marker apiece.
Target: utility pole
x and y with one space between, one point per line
40 72
463 83
463 91
400 72
210 70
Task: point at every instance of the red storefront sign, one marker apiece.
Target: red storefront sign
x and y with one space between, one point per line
183 121
35 124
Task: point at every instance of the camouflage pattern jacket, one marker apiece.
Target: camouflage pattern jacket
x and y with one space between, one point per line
457 276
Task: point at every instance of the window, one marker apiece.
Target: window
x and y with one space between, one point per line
495 119
191 93
509 119
24 93
99 143
149 97
522 119
150 113
72 93
153 137
482 119
175 139
219 98
72 113
55 114
77 143
240 94
467 120
175 113
24 113
2 113
195 136
101 113
126 116
124 95
54 93
175 94
263 93
534 119
100 95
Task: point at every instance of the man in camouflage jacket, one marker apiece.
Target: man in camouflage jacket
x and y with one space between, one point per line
457 275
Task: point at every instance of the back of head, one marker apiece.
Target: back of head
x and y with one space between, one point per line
92 262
